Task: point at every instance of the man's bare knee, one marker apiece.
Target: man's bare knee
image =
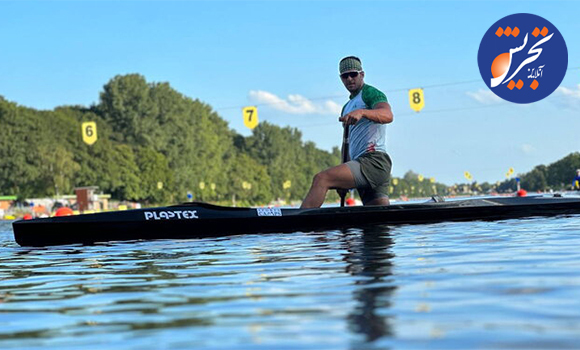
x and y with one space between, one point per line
320 180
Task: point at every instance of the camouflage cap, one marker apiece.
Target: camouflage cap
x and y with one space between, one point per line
350 64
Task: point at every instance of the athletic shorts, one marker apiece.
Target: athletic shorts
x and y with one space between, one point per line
372 175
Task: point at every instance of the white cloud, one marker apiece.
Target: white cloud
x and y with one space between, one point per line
566 98
527 148
295 104
484 96
573 94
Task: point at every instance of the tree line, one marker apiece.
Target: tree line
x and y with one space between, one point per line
156 145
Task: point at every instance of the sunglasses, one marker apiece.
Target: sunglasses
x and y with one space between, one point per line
351 74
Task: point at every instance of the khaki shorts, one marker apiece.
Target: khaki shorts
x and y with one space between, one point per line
372 175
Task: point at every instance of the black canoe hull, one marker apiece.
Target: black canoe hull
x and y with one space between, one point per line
200 220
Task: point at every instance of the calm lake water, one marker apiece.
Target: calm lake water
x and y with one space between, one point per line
504 285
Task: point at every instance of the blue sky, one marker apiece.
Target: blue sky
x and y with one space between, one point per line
239 53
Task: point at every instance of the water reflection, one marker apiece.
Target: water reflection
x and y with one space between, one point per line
510 284
368 255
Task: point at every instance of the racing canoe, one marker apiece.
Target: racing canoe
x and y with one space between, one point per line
201 220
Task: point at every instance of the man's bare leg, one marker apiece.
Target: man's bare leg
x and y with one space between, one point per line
336 177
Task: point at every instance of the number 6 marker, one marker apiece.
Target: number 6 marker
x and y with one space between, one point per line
89 130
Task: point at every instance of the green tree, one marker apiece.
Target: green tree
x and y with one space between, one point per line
193 138
19 164
123 172
154 169
127 106
559 174
57 170
244 169
287 158
535 180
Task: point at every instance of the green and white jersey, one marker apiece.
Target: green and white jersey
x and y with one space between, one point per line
366 135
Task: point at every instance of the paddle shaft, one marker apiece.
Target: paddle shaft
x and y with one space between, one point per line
345 143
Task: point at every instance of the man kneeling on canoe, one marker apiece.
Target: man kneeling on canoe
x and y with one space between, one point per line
369 168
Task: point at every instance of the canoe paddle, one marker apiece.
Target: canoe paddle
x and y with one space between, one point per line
341 191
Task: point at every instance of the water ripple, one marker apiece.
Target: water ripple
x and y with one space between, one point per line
508 284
